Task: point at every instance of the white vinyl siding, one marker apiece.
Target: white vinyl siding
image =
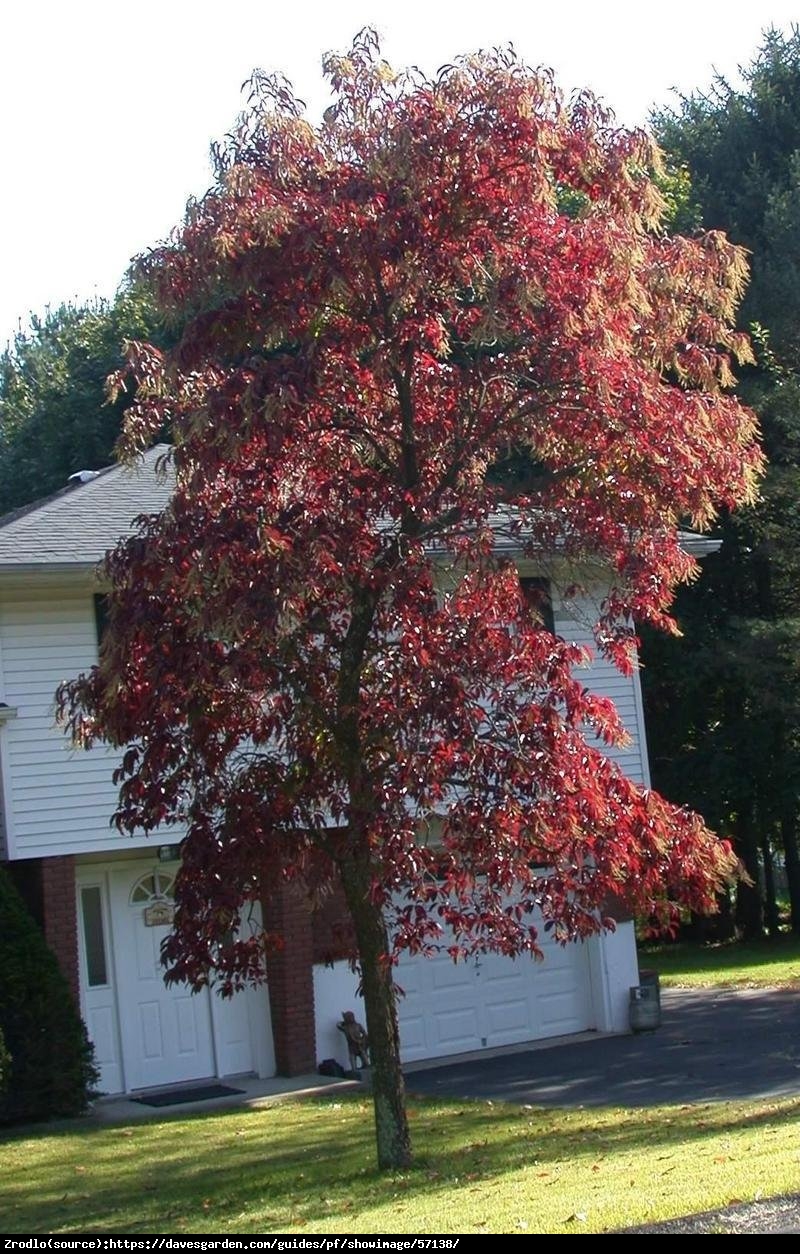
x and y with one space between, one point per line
57 799
605 680
4 844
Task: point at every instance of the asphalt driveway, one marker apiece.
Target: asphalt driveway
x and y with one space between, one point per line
712 1045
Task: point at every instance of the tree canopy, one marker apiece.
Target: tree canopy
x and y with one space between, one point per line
53 417
319 658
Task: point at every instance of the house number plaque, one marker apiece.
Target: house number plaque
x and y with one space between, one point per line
160 914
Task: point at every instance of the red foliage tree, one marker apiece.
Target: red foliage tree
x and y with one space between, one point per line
319 645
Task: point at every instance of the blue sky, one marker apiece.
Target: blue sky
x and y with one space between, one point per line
107 110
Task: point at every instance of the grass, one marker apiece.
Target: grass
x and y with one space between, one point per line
742 964
308 1166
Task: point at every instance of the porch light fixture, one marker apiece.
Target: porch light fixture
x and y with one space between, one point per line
169 853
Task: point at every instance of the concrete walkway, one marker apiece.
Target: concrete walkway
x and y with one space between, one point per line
255 1093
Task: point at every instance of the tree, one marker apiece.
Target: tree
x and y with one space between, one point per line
319 662
46 1061
53 419
740 146
733 744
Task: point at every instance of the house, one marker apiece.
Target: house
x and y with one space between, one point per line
104 900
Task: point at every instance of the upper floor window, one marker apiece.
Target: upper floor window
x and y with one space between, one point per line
100 616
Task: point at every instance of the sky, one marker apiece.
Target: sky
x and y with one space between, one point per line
107 110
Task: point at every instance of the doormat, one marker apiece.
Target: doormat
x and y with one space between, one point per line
177 1097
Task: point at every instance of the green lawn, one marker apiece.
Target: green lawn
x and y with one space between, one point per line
308 1166
765 963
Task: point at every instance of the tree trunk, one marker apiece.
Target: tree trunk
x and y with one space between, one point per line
388 1086
372 938
771 901
749 910
792 858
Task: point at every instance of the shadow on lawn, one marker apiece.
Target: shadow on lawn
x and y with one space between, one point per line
241 1172
255 1170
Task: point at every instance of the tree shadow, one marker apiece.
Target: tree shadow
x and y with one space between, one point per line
226 1173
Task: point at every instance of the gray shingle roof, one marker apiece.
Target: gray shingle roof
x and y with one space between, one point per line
80 523
697 545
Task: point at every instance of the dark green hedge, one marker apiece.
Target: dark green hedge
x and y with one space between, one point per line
48 1069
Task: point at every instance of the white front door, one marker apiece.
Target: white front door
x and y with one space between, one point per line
166 1031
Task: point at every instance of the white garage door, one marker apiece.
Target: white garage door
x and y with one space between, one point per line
452 1008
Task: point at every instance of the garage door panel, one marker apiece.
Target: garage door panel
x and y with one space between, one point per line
493 1000
505 975
410 977
561 1011
504 1016
559 958
457 1030
447 975
550 978
415 1041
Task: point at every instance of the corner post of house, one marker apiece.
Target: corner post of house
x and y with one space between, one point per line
290 979
613 967
60 916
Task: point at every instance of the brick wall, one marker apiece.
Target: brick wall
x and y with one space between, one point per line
60 915
290 980
333 935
